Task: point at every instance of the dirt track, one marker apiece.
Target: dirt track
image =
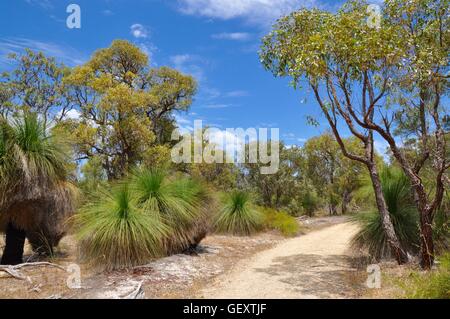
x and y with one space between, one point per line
310 266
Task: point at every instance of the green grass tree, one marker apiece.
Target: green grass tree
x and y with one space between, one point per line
36 196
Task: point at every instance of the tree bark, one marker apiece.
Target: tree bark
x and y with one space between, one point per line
332 209
15 241
394 243
426 240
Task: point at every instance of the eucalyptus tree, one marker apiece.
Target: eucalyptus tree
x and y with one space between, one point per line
126 106
35 84
340 56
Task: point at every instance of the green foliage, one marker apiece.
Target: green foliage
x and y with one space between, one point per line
35 85
280 221
441 229
405 219
279 189
309 202
116 233
429 285
126 107
35 168
334 177
238 215
30 152
145 216
181 203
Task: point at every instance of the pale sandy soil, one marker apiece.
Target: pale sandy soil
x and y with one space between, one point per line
312 266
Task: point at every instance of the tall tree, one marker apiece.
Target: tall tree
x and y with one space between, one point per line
35 85
125 106
332 174
418 109
279 189
336 54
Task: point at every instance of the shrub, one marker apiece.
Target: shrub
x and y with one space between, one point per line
309 202
114 232
397 192
183 204
238 215
146 216
280 221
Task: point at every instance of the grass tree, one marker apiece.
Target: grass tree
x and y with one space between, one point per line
145 216
238 215
35 194
403 213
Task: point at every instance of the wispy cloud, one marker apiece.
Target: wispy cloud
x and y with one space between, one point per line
260 12
139 31
292 139
63 53
44 4
107 12
235 36
217 106
237 93
190 64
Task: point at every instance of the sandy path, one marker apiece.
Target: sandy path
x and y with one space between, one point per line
310 266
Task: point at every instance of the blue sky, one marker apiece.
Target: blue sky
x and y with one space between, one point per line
216 41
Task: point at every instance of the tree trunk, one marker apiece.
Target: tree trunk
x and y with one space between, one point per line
332 209
15 240
346 198
426 241
399 254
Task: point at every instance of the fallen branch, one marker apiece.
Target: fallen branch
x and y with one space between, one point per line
12 270
137 293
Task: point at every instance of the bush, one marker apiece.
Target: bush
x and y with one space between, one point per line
429 285
115 232
181 203
280 221
441 228
397 192
146 216
238 215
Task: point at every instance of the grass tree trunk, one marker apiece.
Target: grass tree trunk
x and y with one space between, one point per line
394 243
15 241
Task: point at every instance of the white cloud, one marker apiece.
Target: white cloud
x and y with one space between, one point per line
62 53
107 12
236 36
217 106
71 114
44 4
261 12
180 59
190 64
139 31
382 148
237 93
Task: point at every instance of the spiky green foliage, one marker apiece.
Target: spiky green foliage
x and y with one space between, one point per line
148 215
116 233
397 193
238 215
28 149
181 203
35 165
